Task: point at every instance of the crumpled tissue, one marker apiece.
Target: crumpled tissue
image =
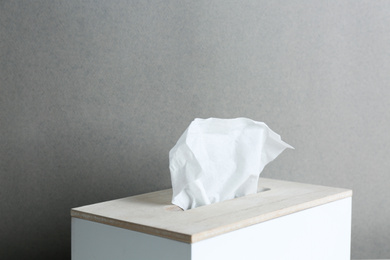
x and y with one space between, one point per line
220 159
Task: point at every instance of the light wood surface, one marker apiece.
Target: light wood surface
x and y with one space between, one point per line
153 213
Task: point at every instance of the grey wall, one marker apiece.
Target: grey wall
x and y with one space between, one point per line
95 93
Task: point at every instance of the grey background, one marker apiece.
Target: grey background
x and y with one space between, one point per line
94 94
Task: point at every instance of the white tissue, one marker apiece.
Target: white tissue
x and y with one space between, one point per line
220 159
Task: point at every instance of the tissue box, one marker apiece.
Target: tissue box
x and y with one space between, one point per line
284 220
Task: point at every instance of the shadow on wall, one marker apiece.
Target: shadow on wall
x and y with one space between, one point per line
51 177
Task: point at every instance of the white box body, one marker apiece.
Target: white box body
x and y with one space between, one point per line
318 232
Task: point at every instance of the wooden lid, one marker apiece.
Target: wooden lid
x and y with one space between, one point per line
152 213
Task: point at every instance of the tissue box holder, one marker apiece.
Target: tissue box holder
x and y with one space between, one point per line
284 220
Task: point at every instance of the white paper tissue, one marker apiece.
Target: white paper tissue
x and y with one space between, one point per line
220 159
